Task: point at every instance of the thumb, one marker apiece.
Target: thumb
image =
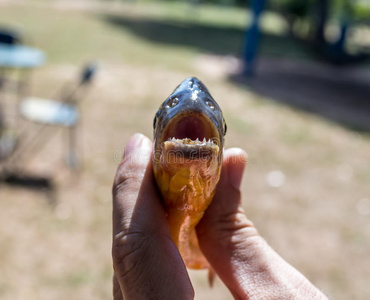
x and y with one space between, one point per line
224 229
146 261
225 216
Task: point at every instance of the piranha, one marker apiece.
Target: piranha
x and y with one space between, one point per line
189 131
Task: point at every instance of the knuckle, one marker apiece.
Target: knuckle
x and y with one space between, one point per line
125 244
128 250
234 222
129 172
230 229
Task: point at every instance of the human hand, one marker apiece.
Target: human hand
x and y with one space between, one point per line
147 263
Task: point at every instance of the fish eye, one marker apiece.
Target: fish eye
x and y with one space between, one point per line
210 105
173 102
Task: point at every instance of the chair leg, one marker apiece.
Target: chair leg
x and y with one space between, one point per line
72 157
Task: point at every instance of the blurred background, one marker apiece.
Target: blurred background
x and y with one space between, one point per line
78 78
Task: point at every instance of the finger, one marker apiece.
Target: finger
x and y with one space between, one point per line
225 213
219 231
134 175
146 261
224 226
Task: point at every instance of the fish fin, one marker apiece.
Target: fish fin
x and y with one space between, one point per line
211 277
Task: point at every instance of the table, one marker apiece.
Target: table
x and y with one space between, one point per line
20 57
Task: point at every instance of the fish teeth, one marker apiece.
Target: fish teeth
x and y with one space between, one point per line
209 142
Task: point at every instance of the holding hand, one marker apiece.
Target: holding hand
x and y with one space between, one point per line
147 263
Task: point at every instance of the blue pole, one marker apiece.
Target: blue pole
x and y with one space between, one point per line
252 37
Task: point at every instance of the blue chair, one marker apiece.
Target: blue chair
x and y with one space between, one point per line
62 113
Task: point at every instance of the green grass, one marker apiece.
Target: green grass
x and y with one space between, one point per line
142 33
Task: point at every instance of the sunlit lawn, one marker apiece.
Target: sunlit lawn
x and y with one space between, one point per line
316 218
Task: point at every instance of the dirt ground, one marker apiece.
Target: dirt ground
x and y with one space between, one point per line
316 217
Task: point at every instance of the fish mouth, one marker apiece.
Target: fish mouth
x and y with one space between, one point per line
192 135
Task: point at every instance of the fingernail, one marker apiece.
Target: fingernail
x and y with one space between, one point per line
237 159
135 142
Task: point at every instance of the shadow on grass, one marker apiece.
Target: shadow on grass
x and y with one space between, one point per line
217 40
42 184
213 39
340 94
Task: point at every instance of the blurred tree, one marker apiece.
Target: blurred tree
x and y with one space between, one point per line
342 12
317 15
